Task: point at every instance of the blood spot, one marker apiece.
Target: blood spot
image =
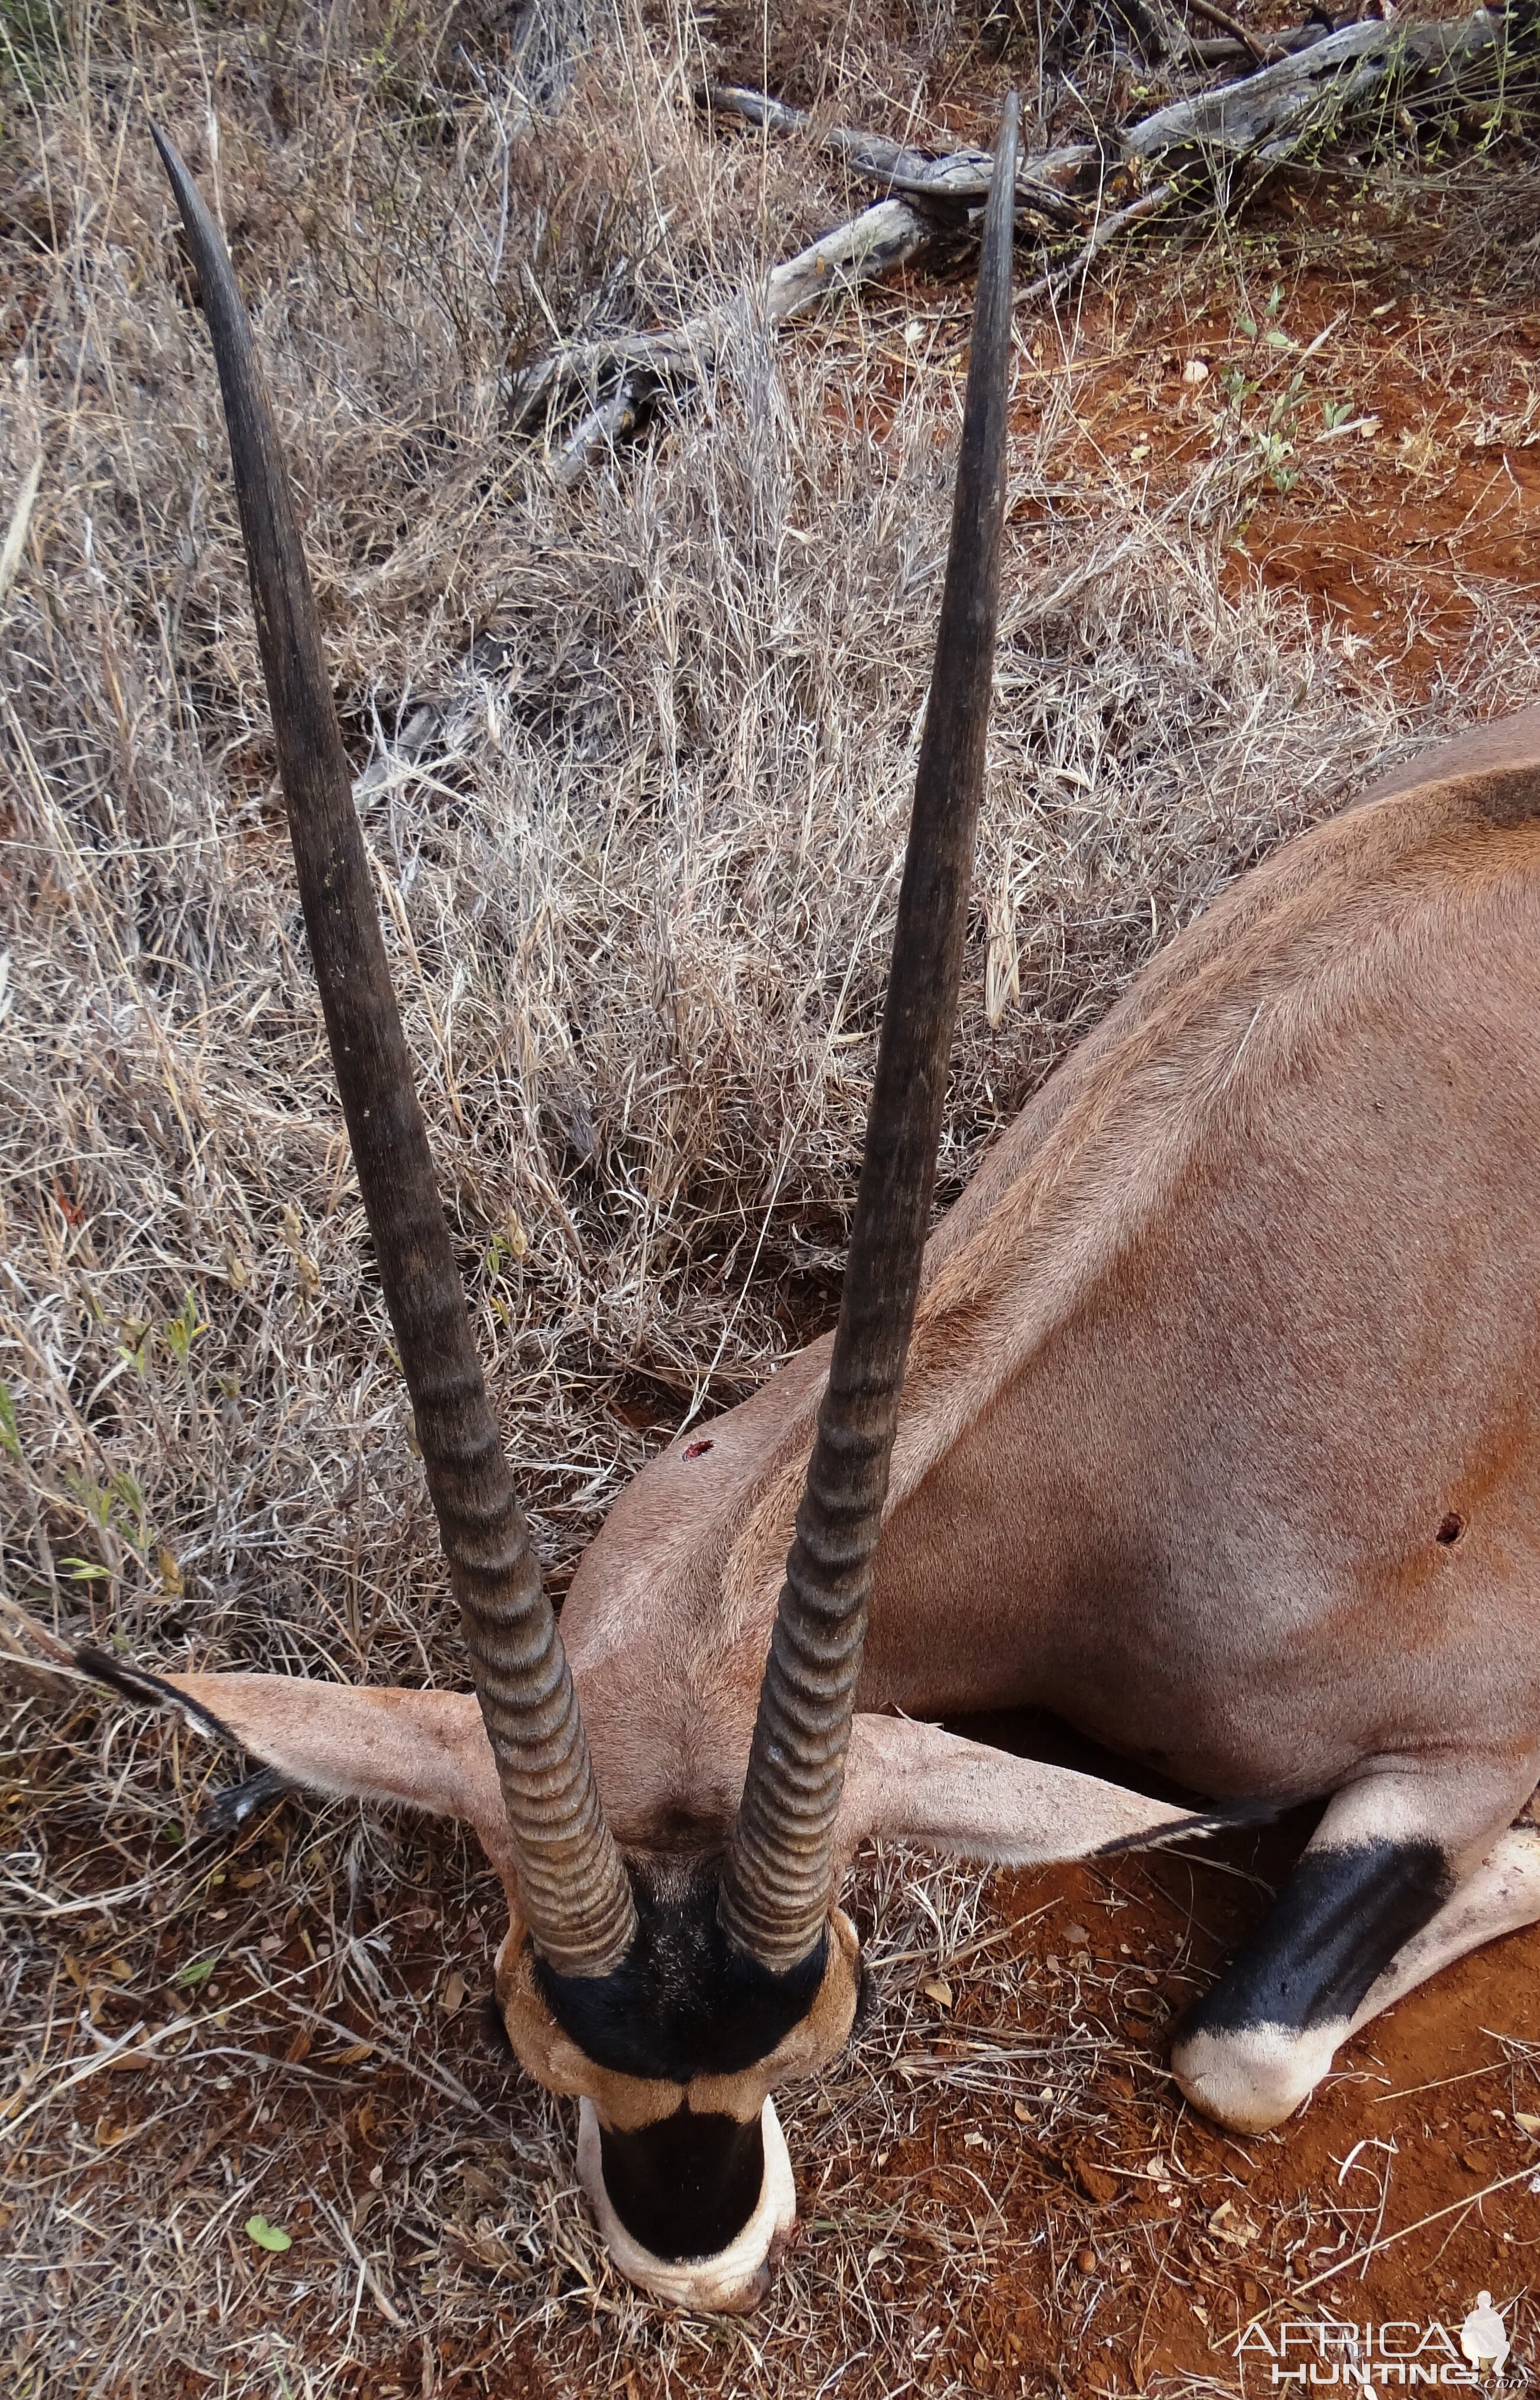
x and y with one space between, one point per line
699 1449
1451 1529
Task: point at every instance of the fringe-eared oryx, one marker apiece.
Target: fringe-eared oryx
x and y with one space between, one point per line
1218 1438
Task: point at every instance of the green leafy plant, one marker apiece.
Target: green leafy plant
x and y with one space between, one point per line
126 1501
134 1341
10 1439
182 1330
268 2237
86 1570
1273 452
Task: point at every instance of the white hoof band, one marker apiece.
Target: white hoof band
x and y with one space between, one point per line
737 2278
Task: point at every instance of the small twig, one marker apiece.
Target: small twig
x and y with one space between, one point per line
1050 286
944 1957
387 2307
1442 2083
20 518
1161 2265
1433 2217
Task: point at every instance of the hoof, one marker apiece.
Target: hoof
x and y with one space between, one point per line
1250 2078
736 2280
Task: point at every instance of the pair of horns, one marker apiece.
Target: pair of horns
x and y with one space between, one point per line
576 1896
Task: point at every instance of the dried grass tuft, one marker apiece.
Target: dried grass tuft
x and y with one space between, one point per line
633 767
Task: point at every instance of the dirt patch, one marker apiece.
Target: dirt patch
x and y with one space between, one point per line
1364 415
1204 2236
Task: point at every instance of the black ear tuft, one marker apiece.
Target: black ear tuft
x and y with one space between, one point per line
227 1811
150 1691
1231 1817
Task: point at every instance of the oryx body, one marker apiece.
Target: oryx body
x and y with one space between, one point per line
1216 1439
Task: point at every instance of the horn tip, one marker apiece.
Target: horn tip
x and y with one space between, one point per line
1007 139
184 190
170 157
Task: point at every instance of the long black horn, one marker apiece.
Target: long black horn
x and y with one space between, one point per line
576 1897
775 1885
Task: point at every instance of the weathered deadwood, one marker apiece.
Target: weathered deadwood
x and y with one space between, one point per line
1303 93
960 177
603 427
870 245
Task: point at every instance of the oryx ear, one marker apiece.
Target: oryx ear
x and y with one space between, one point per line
917 1782
427 1749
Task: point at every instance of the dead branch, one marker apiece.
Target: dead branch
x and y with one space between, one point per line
869 246
1265 117
960 177
1281 106
602 430
1263 52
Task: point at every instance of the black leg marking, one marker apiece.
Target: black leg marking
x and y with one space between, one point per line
685 2187
1335 1926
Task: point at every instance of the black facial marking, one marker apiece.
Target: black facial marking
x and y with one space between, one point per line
683 2001
1338 1921
686 2184
866 1996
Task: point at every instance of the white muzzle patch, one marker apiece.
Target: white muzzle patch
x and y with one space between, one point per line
737 2279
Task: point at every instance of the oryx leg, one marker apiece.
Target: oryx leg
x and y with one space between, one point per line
1405 1872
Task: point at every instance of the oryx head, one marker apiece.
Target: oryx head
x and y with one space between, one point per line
669 1993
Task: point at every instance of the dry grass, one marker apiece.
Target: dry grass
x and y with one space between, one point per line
633 763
